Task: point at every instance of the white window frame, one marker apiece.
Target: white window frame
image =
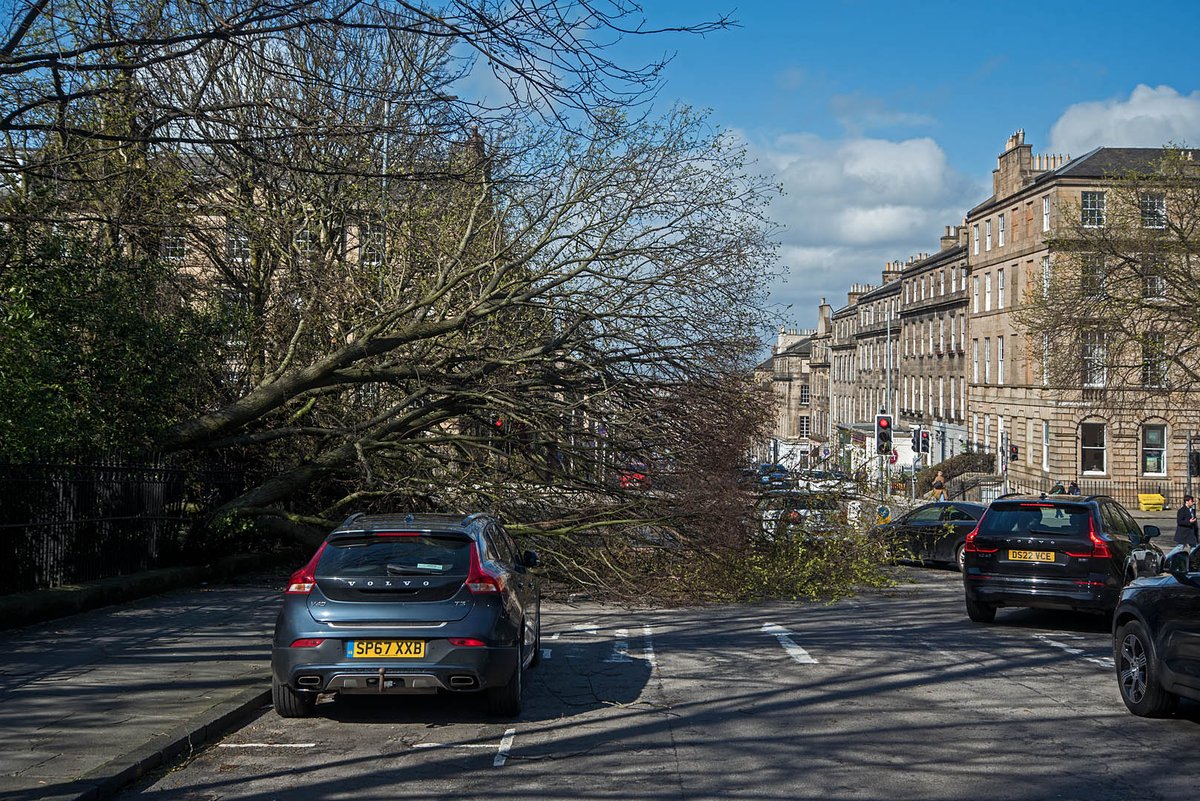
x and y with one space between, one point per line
1000 288
1046 213
1153 208
987 292
1092 428
975 293
1152 450
1092 208
1000 230
975 360
987 360
975 239
1095 359
987 234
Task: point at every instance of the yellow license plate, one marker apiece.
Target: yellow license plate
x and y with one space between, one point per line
1031 556
385 649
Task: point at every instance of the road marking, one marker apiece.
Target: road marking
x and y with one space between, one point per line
545 653
1105 662
555 635
785 639
620 651
505 744
266 745
587 628
649 650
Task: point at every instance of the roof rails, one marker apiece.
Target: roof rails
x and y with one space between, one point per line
352 518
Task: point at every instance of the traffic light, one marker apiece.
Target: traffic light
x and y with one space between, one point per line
883 433
1012 453
916 436
925 441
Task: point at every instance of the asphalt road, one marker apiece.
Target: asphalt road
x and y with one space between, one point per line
893 695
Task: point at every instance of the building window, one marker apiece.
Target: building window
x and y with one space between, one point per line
1045 276
1154 283
987 292
1000 231
1092 209
305 243
987 234
1000 288
987 433
1045 360
975 239
941 334
962 331
987 360
1045 445
999 360
237 243
805 393
805 426
975 294
1154 448
1154 360
1092 455
1092 276
173 245
371 243
951 332
1046 213
942 282
1095 359
975 360
1154 210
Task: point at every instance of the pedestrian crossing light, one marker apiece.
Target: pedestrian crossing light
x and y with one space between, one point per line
883 433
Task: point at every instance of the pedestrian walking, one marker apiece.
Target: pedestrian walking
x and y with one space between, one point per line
939 487
1073 487
1057 489
1185 522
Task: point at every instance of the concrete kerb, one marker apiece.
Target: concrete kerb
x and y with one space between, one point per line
108 779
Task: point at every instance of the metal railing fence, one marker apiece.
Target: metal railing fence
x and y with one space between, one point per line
65 522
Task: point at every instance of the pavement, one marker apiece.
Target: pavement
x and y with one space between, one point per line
95 700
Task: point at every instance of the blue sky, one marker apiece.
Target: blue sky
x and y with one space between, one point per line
883 120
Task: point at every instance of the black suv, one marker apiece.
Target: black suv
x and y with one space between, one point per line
409 604
1156 638
1054 552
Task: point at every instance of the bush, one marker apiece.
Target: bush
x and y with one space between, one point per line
956 466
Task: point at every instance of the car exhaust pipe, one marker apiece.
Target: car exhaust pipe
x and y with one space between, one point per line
309 681
462 682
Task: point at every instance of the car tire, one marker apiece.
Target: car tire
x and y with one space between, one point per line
505 700
291 703
979 612
1137 673
960 556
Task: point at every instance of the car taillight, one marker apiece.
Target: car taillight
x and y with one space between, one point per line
480 580
1100 549
304 579
307 643
467 642
970 547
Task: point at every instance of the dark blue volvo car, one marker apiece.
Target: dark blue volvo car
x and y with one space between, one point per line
400 604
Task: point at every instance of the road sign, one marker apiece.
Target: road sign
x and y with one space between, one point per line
892 459
825 452
883 515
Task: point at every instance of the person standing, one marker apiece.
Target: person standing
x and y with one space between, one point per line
1073 487
939 487
1185 522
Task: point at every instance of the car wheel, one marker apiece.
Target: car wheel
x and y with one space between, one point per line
505 701
1137 673
291 703
960 556
980 612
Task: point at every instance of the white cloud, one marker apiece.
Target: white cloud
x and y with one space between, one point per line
850 205
1151 117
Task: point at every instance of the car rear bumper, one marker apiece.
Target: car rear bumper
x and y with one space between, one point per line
460 669
1094 593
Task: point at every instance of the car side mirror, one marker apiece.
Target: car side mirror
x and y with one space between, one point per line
1177 562
1149 532
530 559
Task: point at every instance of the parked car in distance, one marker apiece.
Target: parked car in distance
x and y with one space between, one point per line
635 475
793 513
934 532
1054 552
1156 638
394 604
773 475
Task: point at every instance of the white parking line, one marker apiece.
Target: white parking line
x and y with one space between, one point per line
266 745
785 639
1105 662
505 745
620 651
649 649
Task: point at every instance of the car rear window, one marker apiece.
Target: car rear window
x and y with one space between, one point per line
382 555
1037 518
